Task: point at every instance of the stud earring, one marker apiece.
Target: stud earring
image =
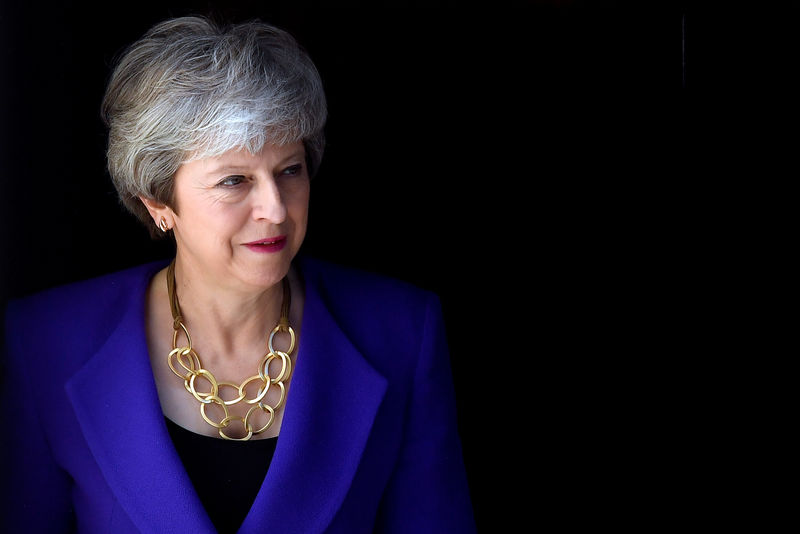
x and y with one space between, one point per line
163 224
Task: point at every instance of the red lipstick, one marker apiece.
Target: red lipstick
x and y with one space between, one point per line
268 244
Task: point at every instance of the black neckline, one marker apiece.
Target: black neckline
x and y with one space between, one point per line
227 475
174 428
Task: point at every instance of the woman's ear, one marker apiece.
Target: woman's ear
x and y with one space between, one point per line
163 216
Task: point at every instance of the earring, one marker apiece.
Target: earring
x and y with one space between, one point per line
163 224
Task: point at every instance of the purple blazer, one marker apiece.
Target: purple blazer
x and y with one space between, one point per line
368 442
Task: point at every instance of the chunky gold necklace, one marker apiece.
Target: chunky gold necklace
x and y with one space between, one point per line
193 370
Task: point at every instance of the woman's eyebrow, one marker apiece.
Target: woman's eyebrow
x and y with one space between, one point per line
227 169
297 154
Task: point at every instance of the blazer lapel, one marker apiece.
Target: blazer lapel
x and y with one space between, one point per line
116 403
333 400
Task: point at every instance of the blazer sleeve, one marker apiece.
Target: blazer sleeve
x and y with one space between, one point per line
428 489
35 490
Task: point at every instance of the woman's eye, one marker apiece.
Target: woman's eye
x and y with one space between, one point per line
294 170
231 181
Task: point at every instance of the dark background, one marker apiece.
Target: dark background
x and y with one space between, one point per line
514 157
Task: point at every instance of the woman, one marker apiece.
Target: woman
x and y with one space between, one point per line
239 386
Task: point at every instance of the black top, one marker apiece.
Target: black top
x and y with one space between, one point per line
226 474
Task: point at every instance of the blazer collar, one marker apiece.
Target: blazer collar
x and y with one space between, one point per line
334 397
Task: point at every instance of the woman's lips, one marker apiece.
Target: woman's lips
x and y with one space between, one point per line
268 245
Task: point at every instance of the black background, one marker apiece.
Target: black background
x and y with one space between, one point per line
510 156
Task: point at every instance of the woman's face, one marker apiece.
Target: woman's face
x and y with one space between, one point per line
242 217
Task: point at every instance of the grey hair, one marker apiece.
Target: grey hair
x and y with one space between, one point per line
190 89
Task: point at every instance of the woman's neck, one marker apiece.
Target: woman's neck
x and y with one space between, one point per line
227 324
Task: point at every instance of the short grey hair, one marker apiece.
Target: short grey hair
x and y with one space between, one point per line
191 89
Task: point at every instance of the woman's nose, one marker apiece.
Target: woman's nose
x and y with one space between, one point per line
267 202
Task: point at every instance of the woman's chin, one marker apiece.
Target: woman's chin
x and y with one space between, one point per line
265 276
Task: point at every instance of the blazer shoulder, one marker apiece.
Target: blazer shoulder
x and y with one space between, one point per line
85 295
385 318
343 284
77 313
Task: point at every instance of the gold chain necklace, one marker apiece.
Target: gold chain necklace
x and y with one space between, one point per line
187 359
